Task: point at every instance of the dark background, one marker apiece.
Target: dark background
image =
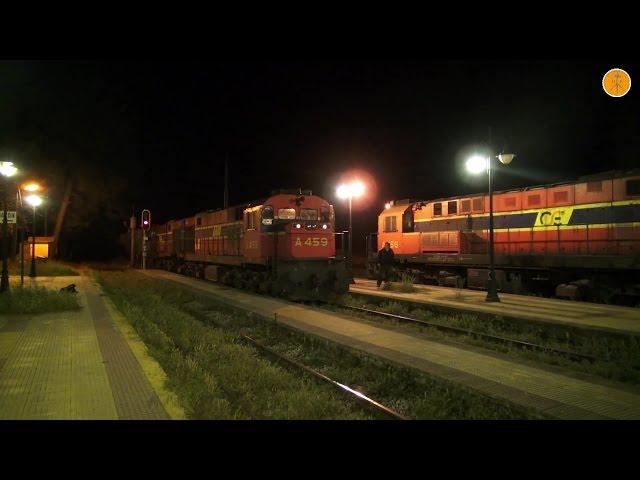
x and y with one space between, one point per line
154 134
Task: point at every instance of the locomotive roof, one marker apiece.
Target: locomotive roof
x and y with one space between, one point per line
611 174
252 203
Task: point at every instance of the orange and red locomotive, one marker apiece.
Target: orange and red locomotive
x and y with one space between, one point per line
283 245
578 239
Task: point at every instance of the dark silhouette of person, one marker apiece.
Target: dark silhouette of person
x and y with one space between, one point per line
385 263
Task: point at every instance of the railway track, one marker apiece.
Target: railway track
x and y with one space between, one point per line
588 318
484 336
553 393
354 394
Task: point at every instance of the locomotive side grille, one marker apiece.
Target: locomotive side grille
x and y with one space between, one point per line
560 196
465 206
533 200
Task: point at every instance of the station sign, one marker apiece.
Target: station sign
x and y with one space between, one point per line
11 216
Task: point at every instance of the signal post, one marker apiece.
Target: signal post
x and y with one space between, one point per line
146 225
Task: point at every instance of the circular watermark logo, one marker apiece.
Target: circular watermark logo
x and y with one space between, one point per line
616 82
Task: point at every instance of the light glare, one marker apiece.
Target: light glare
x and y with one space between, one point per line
31 187
357 189
343 191
477 164
34 200
7 169
354 189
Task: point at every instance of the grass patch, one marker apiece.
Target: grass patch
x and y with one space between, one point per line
618 356
44 268
411 392
37 300
214 375
406 284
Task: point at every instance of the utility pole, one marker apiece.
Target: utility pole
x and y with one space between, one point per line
226 181
66 199
132 231
4 283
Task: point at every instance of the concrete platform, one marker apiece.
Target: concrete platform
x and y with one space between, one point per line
71 365
590 316
550 391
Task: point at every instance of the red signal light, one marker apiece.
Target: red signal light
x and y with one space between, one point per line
146 219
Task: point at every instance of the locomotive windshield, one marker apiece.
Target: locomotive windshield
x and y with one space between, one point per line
308 214
287 213
325 215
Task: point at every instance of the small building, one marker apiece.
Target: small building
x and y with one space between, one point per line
43 247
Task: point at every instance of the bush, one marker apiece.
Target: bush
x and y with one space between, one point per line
406 284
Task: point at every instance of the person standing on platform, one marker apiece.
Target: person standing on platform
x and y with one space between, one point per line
385 263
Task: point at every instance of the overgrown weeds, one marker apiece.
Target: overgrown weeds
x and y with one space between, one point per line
212 372
44 268
406 284
411 392
36 300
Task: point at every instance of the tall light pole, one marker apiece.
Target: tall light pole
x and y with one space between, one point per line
7 169
351 190
478 164
33 200
30 187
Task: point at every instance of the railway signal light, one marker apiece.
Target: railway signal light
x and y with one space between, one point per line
146 219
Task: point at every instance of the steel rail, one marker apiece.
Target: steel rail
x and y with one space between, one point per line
484 336
344 388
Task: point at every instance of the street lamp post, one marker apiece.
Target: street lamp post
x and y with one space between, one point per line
7 169
31 187
354 189
478 164
34 201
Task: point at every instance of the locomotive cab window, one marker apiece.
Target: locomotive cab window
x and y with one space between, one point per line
633 187
287 213
390 224
251 221
437 209
452 208
308 214
407 221
325 214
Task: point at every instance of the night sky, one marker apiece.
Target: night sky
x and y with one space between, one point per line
155 134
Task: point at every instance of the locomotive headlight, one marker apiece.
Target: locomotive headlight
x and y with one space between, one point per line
324 226
297 225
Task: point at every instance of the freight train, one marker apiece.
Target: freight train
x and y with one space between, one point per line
576 240
283 245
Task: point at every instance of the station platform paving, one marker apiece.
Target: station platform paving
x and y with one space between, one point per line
583 315
551 391
71 365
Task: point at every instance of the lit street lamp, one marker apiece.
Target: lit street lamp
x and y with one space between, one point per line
354 189
33 200
7 169
477 164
